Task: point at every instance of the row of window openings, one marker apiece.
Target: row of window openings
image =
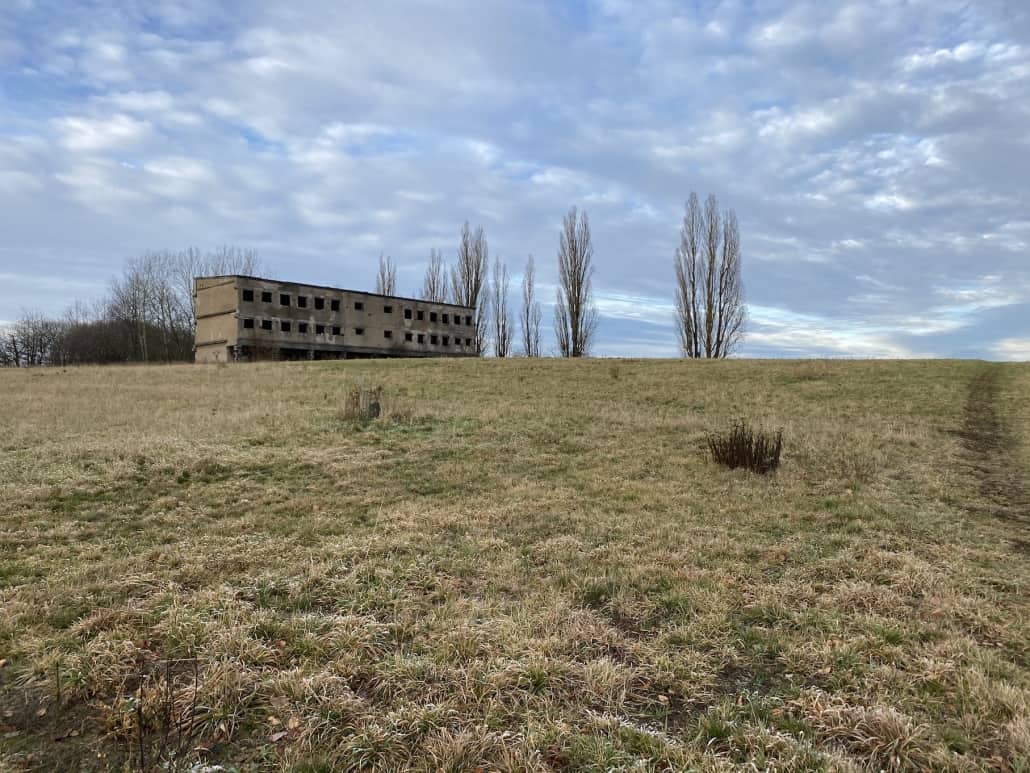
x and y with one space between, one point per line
302 327
302 300
334 305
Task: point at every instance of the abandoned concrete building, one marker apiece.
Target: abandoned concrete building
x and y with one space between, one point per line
245 318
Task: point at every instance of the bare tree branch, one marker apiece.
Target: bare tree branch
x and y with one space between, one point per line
468 277
226 260
575 315
710 308
386 279
503 330
530 316
434 284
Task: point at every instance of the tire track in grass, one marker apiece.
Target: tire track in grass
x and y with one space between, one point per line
990 445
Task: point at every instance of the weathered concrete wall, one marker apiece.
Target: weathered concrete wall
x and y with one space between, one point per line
271 318
215 300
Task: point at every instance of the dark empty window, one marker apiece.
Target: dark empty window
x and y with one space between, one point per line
387 334
266 324
302 301
387 309
468 321
248 324
421 338
302 327
359 306
334 305
408 337
445 318
446 341
284 326
421 314
248 295
432 316
359 331
336 330
320 330
319 303
468 342
434 340
407 314
266 297
284 299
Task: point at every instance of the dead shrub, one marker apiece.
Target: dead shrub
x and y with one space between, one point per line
363 403
156 715
744 446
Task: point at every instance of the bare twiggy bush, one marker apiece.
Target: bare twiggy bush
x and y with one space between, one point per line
744 446
156 714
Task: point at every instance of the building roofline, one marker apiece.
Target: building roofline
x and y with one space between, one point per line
335 289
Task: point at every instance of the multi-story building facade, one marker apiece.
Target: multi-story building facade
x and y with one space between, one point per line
242 318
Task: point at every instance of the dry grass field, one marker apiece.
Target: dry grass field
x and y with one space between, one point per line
522 565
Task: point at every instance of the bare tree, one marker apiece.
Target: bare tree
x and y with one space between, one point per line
386 279
147 300
129 303
575 315
710 308
530 312
33 340
434 285
468 277
8 354
503 330
147 315
191 263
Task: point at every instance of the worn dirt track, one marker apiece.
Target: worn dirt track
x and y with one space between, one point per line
990 445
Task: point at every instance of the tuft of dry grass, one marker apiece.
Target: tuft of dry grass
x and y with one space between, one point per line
521 565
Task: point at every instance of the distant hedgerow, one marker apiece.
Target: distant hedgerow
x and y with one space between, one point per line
744 446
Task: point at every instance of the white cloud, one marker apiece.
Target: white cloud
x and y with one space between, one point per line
98 134
964 52
1016 349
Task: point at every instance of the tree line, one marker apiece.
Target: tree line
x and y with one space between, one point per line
473 281
709 292
147 314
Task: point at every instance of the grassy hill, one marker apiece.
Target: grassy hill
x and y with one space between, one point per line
523 565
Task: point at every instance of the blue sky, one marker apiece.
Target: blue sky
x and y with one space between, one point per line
877 153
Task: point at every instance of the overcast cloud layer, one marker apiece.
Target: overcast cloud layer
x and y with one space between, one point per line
877 153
